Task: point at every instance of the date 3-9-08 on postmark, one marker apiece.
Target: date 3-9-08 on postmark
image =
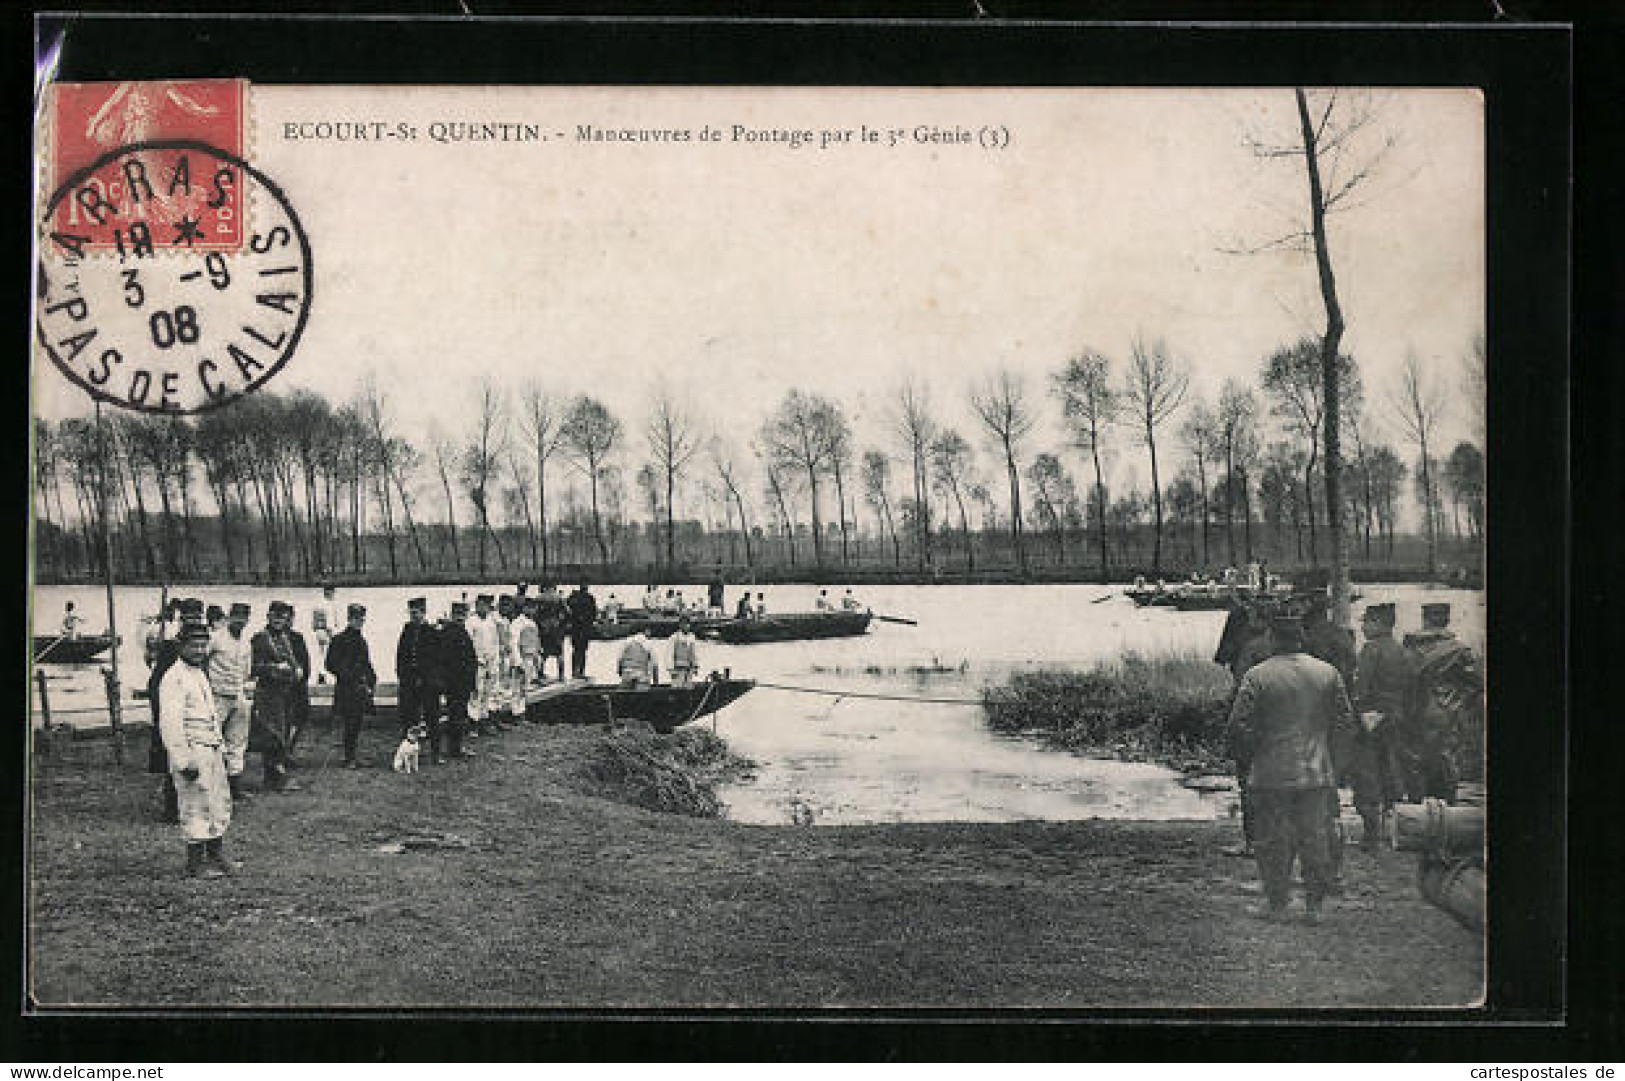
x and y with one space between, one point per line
138 306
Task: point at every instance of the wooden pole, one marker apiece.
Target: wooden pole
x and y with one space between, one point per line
110 674
45 712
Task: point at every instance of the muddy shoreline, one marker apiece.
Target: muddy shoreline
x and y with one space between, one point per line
554 894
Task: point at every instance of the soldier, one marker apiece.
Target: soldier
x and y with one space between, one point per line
229 663
1445 711
1244 642
165 653
1284 713
416 699
715 595
583 615
637 663
1335 645
350 662
191 732
684 655
1381 682
512 685
482 631
280 674
527 640
552 618
456 670
299 719
324 622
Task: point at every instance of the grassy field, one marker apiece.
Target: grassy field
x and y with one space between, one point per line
520 879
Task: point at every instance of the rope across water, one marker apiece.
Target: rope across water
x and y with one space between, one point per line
869 694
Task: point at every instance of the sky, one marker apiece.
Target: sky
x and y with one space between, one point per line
731 271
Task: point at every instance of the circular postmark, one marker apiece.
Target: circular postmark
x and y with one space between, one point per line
139 305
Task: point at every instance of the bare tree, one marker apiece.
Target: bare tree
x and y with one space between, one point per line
727 470
877 489
778 493
670 434
951 467
481 462
1339 156
445 460
1237 414
1155 389
838 434
1418 403
1295 377
1053 489
1200 433
1090 403
915 428
648 482
1000 404
543 428
591 432
797 437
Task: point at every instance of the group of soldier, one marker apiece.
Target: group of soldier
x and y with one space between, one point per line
1397 722
457 675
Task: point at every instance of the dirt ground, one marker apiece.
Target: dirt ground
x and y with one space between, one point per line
564 898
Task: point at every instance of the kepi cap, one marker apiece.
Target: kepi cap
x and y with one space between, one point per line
356 610
238 608
419 603
279 608
458 608
191 606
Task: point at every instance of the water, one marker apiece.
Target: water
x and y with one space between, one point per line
829 760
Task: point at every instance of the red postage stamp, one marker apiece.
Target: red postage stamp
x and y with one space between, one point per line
156 203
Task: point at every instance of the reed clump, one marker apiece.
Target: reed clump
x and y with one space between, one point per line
672 774
1170 707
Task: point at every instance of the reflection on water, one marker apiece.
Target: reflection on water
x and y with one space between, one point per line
830 760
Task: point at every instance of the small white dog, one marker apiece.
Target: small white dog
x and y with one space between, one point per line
406 755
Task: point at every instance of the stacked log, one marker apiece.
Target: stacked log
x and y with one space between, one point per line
1439 828
1458 888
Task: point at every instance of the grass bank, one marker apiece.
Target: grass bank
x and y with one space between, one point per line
520 879
1168 708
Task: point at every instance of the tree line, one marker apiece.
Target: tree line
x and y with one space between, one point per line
295 487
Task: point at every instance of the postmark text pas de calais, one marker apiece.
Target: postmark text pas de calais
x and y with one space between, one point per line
173 277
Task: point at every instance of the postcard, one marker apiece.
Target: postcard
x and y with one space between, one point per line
782 547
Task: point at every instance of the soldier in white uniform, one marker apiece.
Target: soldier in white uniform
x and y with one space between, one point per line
192 737
684 655
482 628
326 620
229 662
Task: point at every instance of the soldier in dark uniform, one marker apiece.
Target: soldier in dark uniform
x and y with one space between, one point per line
167 653
350 663
456 671
583 614
299 717
416 700
1327 642
1445 710
1284 713
280 673
1382 680
1245 642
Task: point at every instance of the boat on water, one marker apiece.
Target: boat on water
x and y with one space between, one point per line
652 624
663 707
60 649
791 627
